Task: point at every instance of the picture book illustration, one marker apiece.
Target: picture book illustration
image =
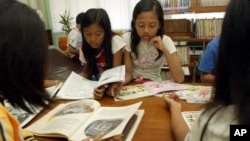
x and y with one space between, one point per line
155 87
104 126
196 94
75 108
132 92
24 117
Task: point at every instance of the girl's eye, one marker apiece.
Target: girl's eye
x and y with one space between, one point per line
99 33
140 25
152 26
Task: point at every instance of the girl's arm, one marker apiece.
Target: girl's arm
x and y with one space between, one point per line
50 83
114 88
178 125
117 58
175 69
128 64
86 73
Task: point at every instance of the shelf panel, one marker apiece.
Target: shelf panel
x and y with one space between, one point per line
189 39
207 9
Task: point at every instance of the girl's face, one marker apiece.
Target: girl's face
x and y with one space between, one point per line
147 25
94 35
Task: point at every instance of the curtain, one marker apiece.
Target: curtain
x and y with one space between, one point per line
119 11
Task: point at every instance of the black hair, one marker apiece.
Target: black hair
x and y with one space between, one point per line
100 17
232 71
79 18
23 59
142 6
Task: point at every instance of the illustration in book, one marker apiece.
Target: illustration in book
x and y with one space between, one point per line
190 117
24 117
155 87
196 94
132 92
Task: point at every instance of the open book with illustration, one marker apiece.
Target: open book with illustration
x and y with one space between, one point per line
190 117
78 119
78 87
24 117
149 88
156 87
132 92
196 94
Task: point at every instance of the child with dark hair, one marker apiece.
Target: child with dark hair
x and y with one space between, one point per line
147 47
24 53
23 61
74 41
230 104
101 48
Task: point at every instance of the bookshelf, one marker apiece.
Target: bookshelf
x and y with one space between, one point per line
185 33
207 9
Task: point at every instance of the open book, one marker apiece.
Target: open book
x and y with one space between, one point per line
155 87
24 117
78 87
78 119
190 117
196 94
149 88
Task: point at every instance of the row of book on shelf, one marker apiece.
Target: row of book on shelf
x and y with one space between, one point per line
195 3
207 28
182 6
86 117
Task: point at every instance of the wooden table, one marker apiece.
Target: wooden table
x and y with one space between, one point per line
155 124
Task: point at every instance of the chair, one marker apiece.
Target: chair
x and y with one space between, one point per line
61 65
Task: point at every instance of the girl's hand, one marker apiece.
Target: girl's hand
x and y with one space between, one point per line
97 138
99 92
115 138
173 101
157 41
114 89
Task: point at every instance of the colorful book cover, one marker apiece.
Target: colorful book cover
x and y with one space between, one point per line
196 94
155 87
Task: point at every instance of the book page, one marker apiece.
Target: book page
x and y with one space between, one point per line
24 117
77 87
109 120
65 119
116 74
53 89
139 114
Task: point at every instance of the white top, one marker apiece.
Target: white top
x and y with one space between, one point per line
117 44
145 65
218 127
74 39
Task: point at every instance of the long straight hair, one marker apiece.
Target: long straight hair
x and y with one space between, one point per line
100 17
144 6
232 72
24 53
